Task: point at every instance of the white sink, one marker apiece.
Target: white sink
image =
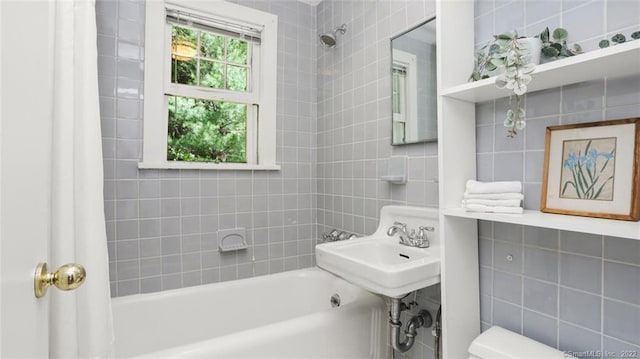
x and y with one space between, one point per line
378 263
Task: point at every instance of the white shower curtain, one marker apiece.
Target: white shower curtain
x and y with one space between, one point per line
81 323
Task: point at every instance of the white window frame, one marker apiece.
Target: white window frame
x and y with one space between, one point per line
261 134
407 118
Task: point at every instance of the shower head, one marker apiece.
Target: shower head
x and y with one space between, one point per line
329 39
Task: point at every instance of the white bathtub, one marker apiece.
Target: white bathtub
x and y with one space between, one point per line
285 315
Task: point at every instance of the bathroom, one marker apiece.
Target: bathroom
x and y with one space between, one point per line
572 291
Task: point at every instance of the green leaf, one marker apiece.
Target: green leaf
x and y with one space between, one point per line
635 35
575 182
550 52
557 46
603 43
582 181
576 49
497 62
560 34
501 82
490 66
565 52
618 38
586 149
503 43
544 36
602 187
566 184
505 36
508 122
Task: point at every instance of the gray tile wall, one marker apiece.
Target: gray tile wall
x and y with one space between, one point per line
354 117
568 290
162 224
572 291
354 128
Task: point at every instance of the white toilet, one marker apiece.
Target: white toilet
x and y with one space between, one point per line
499 343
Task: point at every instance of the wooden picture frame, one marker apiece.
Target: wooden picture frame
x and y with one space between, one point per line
592 169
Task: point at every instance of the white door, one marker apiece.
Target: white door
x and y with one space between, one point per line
25 143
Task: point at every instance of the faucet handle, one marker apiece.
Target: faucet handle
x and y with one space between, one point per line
423 229
331 236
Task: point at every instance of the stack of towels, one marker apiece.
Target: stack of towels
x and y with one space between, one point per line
496 197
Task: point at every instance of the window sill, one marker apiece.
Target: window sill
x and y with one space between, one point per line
177 165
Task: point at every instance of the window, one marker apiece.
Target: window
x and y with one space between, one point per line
404 96
210 86
399 103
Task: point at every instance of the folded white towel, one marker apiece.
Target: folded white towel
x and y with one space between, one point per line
510 195
492 209
493 187
493 202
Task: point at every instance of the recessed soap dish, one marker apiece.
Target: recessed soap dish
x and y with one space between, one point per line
396 170
400 179
232 239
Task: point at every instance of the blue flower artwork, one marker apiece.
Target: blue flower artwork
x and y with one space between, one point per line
588 169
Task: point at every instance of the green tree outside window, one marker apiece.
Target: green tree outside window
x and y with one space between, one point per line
204 130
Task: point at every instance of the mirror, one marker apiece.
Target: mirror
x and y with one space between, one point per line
413 85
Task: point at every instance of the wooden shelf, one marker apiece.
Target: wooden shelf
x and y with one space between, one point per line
607 227
616 61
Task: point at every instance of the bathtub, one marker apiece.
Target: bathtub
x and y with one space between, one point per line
285 315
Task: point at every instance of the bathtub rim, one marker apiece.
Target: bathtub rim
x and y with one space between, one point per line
315 270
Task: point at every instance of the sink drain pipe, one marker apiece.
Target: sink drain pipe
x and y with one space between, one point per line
423 319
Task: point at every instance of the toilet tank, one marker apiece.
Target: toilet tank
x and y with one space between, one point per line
499 343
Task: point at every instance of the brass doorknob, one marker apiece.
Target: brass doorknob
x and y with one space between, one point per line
67 277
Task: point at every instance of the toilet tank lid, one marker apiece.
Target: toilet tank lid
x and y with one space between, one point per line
499 343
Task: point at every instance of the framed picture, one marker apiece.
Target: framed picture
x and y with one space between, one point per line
591 169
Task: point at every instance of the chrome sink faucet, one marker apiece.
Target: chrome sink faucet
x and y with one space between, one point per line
334 236
411 239
401 229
